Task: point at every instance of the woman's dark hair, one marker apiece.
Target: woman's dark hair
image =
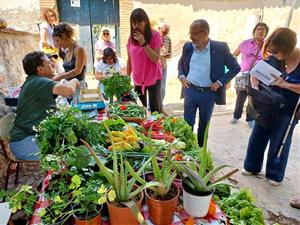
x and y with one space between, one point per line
283 39
260 25
63 30
31 61
139 15
108 52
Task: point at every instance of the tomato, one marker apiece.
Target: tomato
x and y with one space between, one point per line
123 107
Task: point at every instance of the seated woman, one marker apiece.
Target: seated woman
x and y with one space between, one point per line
109 62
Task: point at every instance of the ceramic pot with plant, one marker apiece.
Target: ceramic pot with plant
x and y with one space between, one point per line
162 200
197 182
128 194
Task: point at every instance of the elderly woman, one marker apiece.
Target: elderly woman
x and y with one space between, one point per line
143 47
250 50
280 48
103 43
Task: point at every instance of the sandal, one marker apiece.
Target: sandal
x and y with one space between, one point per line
295 203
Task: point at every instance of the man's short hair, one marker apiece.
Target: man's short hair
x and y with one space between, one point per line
203 25
31 61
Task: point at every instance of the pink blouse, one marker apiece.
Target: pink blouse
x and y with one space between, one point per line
144 72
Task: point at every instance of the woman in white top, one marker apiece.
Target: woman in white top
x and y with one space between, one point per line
109 62
46 43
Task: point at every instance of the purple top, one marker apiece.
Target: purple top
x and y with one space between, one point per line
248 50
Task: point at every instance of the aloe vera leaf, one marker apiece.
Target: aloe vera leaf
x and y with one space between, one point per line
195 179
122 176
106 172
213 172
156 169
203 160
224 176
136 211
143 187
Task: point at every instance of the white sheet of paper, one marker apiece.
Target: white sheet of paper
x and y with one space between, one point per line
265 72
4 213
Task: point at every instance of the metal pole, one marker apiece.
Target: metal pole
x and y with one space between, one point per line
288 20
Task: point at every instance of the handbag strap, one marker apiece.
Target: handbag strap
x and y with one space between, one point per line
255 57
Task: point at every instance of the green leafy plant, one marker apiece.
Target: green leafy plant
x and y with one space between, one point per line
116 85
197 176
240 209
65 128
79 195
21 200
124 186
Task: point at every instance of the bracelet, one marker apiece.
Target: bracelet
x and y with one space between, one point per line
62 81
144 44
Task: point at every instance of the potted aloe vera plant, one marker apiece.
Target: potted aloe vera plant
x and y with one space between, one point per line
197 182
125 209
162 200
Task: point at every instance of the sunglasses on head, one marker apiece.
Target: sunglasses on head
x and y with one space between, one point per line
105 33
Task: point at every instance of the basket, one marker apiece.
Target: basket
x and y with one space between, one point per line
90 95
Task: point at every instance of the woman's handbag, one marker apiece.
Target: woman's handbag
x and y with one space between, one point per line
264 104
242 79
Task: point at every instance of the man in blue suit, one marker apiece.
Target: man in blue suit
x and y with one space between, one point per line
201 70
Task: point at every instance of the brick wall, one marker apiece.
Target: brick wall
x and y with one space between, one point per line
126 7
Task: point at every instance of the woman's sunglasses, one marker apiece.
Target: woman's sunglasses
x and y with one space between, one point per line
105 33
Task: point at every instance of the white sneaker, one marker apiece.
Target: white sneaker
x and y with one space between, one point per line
234 121
258 174
274 183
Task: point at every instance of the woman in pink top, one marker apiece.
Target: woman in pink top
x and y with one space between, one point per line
251 53
143 64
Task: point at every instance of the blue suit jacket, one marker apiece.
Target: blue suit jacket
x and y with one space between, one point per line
220 57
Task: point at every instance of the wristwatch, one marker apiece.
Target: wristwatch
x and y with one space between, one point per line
144 44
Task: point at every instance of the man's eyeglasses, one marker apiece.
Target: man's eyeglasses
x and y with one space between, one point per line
105 33
195 33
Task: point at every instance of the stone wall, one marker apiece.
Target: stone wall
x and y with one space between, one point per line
21 15
13 47
230 21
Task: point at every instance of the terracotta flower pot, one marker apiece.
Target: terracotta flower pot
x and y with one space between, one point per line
161 211
95 220
123 215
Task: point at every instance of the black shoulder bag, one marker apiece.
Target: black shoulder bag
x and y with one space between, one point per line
264 104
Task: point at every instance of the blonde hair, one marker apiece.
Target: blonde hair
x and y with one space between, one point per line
45 14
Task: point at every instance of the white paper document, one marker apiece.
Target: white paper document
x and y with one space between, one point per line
265 72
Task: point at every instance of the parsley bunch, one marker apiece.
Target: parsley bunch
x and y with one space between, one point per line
116 85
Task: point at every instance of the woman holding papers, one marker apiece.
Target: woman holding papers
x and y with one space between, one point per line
281 53
250 51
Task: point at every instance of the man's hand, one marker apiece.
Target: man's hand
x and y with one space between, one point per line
215 86
184 82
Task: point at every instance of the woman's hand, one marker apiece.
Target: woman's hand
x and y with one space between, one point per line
280 82
139 37
254 82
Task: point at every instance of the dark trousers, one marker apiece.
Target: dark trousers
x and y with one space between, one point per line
257 145
241 97
204 101
154 92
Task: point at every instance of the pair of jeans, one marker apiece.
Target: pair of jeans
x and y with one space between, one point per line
204 101
258 141
154 92
25 149
163 85
241 97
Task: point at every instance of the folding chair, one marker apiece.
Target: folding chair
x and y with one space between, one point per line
6 124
